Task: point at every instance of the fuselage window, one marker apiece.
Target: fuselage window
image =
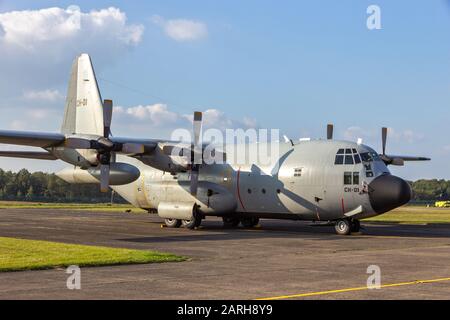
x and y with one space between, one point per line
357 158
347 178
355 177
348 151
340 151
348 159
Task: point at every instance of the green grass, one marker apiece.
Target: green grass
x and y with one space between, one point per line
20 254
71 206
415 215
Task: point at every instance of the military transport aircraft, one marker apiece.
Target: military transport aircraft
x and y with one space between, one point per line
326 181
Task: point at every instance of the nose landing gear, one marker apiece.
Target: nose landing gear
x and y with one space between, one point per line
347 226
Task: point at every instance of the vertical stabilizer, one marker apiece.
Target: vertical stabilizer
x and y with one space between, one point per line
84 111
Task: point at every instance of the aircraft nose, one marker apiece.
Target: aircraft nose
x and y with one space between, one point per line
387 192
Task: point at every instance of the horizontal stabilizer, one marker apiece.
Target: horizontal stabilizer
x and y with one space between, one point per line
28 155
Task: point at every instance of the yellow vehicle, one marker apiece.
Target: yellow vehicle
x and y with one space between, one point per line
442 204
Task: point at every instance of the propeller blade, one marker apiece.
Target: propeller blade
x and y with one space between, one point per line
384 138
330 131
104 177
77 143
194 181
107 117
197 127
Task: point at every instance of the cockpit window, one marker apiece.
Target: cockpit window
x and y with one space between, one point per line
347 156
339 159
370 156
348 159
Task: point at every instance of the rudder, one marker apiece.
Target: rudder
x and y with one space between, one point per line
83 110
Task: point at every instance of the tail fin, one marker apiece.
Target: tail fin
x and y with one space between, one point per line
84 110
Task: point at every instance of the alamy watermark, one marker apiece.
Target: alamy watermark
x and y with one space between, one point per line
74 280
374 280
237 146
373 21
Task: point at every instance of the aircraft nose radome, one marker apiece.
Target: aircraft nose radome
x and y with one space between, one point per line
388 192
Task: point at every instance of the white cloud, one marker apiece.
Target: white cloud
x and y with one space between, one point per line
44 95
39 114
18 125
31 30
38 46
159 115
182 29
371 135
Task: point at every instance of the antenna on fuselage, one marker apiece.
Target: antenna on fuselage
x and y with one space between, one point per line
330 128
286 139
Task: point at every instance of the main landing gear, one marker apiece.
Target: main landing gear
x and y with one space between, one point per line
347 226
195 222
233 222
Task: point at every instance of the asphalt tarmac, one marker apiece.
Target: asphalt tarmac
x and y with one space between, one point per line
278 260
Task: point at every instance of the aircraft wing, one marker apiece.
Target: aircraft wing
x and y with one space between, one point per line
149 144
32 139
42 155
397 160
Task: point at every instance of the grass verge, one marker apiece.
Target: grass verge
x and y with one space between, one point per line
71 206
415 215
20 254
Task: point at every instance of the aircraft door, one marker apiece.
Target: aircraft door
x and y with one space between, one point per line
351 179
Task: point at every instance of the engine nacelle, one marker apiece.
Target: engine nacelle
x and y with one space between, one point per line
120 174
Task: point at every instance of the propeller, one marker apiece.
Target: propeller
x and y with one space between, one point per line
196 150
330 131
392 159
106 149
383 139
104 154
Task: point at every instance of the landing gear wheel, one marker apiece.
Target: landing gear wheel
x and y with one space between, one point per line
230 222
355 226
194 223
249 222
172 223
343 227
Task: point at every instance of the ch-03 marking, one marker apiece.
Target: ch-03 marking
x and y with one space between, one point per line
332 181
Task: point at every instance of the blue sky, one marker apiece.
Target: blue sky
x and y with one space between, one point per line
290 65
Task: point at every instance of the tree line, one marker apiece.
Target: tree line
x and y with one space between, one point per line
47 187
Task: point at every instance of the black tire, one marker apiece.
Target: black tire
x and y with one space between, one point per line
249 222
230 222
356 226
343 227
172 223
192 224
